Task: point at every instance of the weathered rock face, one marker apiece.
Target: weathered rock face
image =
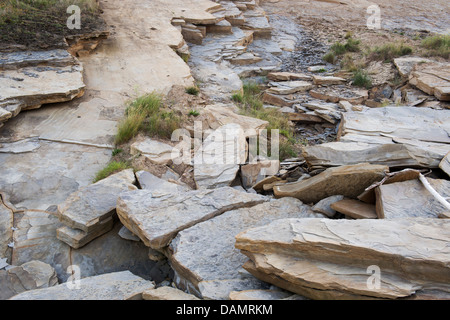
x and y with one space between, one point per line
88 207
410 199
156 217
167 293
27 84
324 205
217 162
112 286
207 263
252 173
329 259
406 64
349 181
29 276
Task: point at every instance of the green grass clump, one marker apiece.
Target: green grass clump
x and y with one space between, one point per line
192 91
390 51
147 113
111 168
330 57
251 105
362 79
194 113
437 45
116 151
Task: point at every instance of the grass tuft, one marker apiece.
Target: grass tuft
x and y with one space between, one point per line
390 51
437 45
111 168
362 79
192 91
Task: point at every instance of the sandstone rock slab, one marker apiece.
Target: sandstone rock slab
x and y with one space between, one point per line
217 161
411 253
410 199
355 209
157 219
31 275
217 259
349 181
89 206
112 286
167 293
155 151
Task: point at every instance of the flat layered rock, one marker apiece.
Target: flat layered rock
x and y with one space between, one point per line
405 65
167 293
432 78
157 218
289 87
25 83
322 280
355 209
327 80
349 181
288 76
112 286
316 255
31 275
77 238
336 94
394 155
86 208
252 173
399 123
410 199
198 258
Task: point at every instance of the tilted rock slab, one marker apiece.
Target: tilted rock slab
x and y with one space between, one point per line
205 253
86 208
217 161
157 216
111 286
349 181
322 258
31 275
410 199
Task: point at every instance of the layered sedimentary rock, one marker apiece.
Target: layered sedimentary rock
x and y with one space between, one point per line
204 255
30 79
332 259
349 181
156 217
111 286
29 276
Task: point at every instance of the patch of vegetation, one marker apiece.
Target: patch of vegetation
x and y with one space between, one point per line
321 70
251 105
111 168
192 90
437 45
389 51
362 79
194 113
339 49
37 23
147 113
330 57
